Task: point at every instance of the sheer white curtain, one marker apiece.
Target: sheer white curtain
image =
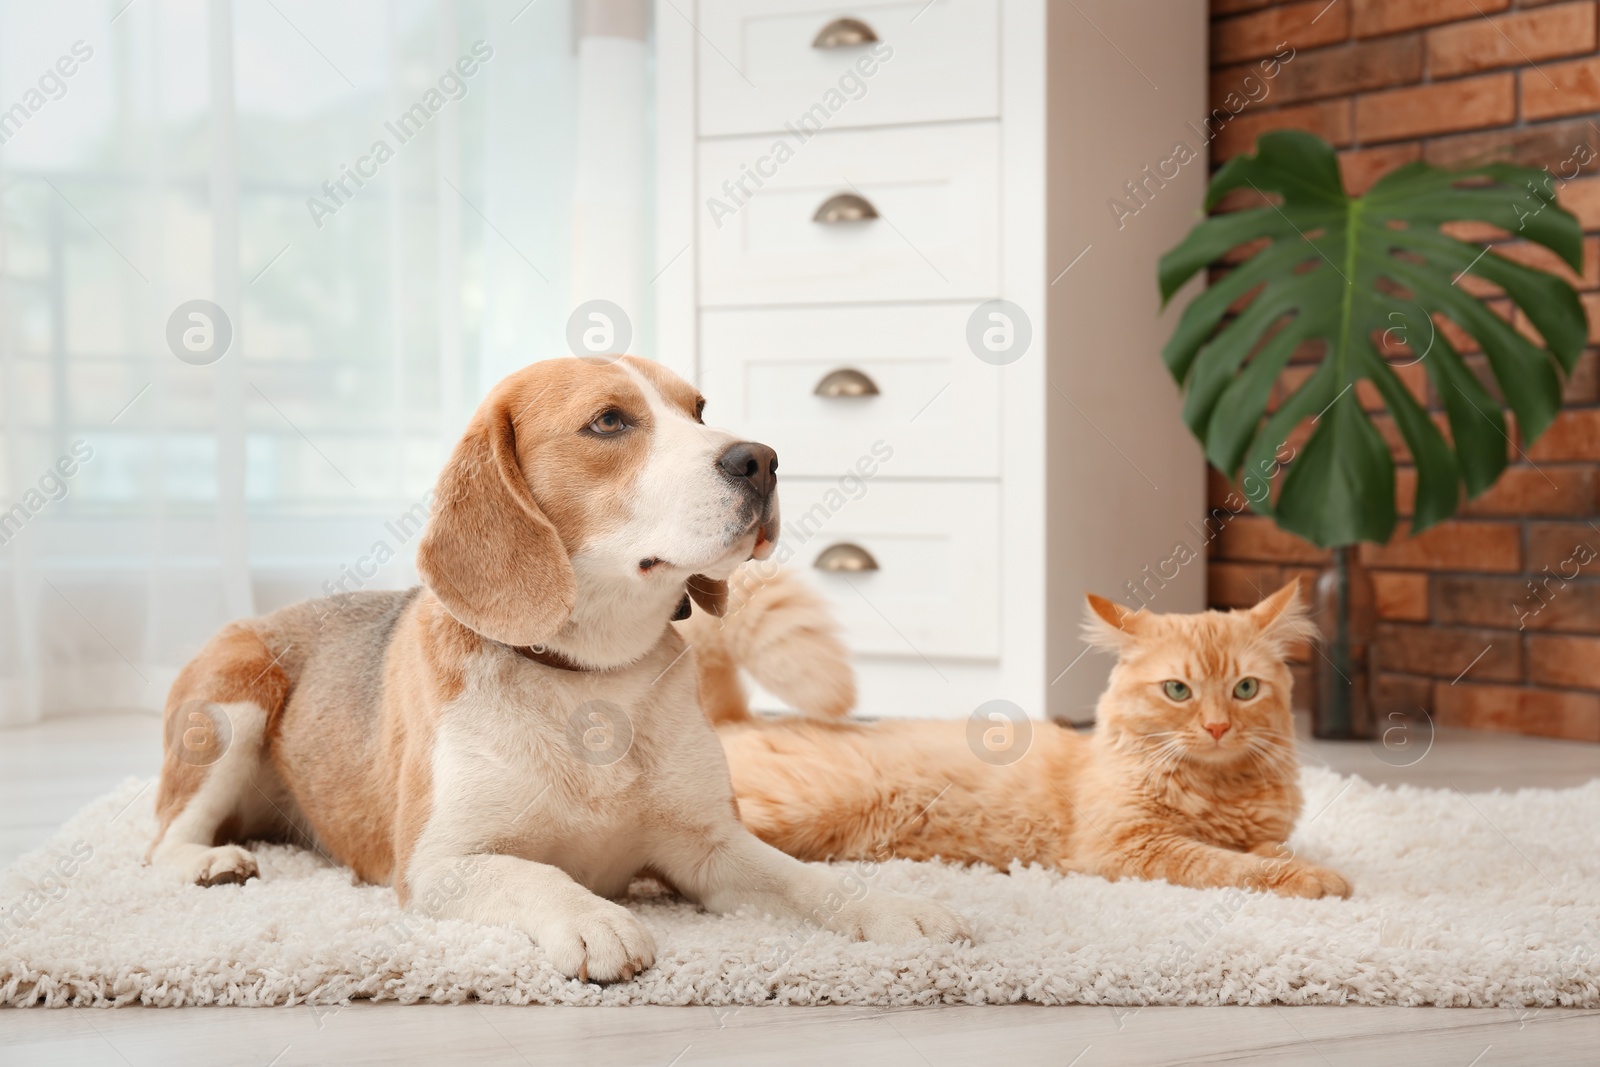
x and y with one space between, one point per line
378 196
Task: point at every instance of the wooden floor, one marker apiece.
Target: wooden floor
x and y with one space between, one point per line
47 772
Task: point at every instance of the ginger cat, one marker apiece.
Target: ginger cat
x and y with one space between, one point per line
1189 776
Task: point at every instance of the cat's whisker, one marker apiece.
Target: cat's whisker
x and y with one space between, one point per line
1268 768
1164 755
1164 762
1265 752
1272 751
1167 752
1151 769
1256 756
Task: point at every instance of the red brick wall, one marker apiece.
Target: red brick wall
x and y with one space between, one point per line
1450 82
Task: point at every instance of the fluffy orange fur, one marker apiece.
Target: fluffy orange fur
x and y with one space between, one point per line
1189 776
777 628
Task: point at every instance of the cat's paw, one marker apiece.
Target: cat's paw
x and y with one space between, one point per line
223 865
1310 881
888 918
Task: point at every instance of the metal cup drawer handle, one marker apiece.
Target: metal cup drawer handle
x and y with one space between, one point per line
846 207
845 557
844 33
845 382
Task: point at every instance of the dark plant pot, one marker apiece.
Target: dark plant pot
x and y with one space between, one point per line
1342 668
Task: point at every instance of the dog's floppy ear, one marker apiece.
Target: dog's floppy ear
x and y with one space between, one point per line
489 554
710 593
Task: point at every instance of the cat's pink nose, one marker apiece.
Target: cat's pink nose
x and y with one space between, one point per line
1217 729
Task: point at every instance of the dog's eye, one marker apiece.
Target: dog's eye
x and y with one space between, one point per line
1176 690
700 410
609 423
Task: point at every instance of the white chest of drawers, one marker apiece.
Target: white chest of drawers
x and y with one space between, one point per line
840 189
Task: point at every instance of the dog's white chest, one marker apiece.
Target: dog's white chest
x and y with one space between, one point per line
560 768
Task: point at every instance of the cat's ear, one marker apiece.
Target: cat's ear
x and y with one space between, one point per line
1109 624
1282 617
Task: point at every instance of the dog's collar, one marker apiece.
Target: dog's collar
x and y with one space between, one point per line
549 657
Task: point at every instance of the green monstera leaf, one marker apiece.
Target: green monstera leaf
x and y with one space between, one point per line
1345 270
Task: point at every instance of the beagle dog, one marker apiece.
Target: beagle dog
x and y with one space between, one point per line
514 741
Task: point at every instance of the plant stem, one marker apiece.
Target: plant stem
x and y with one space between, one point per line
1339 720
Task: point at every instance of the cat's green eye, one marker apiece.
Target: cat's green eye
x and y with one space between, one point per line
1175 690
1247 688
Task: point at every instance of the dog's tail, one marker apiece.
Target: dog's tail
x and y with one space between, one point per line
782 632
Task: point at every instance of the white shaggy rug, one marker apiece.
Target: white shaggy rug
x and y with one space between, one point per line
1482 900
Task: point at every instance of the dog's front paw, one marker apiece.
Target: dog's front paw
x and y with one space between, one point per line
598 942
884 917
1310 881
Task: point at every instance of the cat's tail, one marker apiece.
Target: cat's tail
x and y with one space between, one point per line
781 631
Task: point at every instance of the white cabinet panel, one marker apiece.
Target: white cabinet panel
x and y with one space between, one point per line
760 72
964 141
936 237
935 591
937 405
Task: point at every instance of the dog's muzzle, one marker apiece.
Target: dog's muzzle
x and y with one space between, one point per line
753 468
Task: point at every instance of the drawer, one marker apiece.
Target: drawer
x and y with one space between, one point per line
936 234
761 72
935 589
937 406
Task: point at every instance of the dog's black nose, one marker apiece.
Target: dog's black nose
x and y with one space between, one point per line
751 464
